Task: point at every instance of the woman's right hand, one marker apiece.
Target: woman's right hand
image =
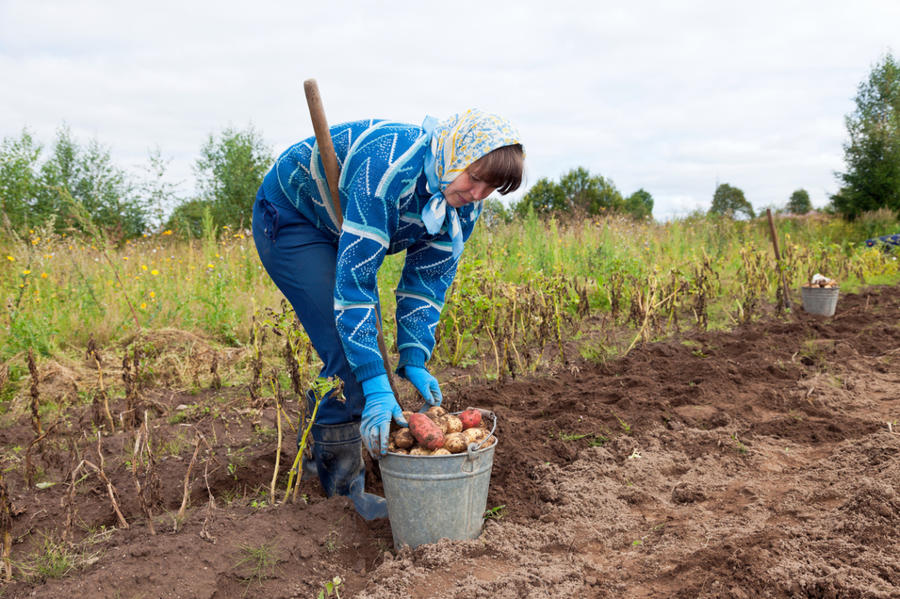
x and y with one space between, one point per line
381 406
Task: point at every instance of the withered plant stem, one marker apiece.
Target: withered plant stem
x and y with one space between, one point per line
110 488
280 437
6 529
29 467
35 393
68 535
186 495
142 443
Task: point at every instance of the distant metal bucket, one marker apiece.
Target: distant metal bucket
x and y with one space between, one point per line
430 498
820 300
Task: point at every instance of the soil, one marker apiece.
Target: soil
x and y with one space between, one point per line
761 462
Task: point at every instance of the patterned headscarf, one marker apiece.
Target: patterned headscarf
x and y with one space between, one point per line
455 144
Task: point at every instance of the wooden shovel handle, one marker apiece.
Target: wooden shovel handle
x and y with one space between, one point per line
326 146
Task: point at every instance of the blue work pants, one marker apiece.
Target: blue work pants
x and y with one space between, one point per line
301 261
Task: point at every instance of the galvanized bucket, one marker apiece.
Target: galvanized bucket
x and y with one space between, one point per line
438 497
820 300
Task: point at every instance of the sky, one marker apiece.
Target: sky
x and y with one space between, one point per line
671 97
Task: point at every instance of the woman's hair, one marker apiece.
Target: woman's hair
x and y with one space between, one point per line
501 168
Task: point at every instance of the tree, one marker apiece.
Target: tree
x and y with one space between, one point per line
872 155
799 202
578 192
591 194
229 172
88 177
639 204
160 195
19 180
494 212
544 198
730 201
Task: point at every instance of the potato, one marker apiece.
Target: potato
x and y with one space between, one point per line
470 418
406 415
400 451
441 451
419 451
441 421
404 439
454 424
428 434
455 443
435 412
474 435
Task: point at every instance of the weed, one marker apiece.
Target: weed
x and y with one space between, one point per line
173 446
331 589
495 513
598 441
190 413
55 559
331 542
257 562
740 447
625 426
572 436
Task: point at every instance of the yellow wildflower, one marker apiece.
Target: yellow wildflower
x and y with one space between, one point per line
152 294
143 267
26 272
154 272
167 232
44 275
143 305
10 258
210 265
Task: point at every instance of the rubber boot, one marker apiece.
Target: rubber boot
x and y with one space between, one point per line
338 454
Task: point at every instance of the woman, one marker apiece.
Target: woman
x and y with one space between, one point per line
402 187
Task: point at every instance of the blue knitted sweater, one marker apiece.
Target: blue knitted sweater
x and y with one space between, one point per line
383 190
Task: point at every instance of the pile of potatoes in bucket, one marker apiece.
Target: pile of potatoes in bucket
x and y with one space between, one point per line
819 280
437 432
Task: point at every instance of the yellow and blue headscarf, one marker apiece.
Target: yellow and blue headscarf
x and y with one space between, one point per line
455 144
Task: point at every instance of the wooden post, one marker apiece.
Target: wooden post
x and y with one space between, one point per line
784 287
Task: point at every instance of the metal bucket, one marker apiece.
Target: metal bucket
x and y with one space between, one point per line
820 300
438 497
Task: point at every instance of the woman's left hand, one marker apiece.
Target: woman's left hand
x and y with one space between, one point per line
426 384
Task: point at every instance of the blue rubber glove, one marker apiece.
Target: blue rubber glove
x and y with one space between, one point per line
381 406
425 383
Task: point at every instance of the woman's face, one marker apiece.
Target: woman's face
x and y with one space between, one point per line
467 188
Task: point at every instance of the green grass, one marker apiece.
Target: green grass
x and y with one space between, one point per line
518 285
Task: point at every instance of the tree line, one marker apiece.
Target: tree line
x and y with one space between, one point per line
69 183
60 184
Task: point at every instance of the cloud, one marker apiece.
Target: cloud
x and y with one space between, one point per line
670 97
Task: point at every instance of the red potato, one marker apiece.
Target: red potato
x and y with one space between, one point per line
470 418
426 432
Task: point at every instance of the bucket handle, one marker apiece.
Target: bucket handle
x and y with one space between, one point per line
473 447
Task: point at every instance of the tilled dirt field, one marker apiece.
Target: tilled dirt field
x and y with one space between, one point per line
764 462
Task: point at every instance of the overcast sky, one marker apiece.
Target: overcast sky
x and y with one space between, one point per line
672 97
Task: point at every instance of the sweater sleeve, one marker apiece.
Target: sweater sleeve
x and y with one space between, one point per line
375 174
362 247
428 272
